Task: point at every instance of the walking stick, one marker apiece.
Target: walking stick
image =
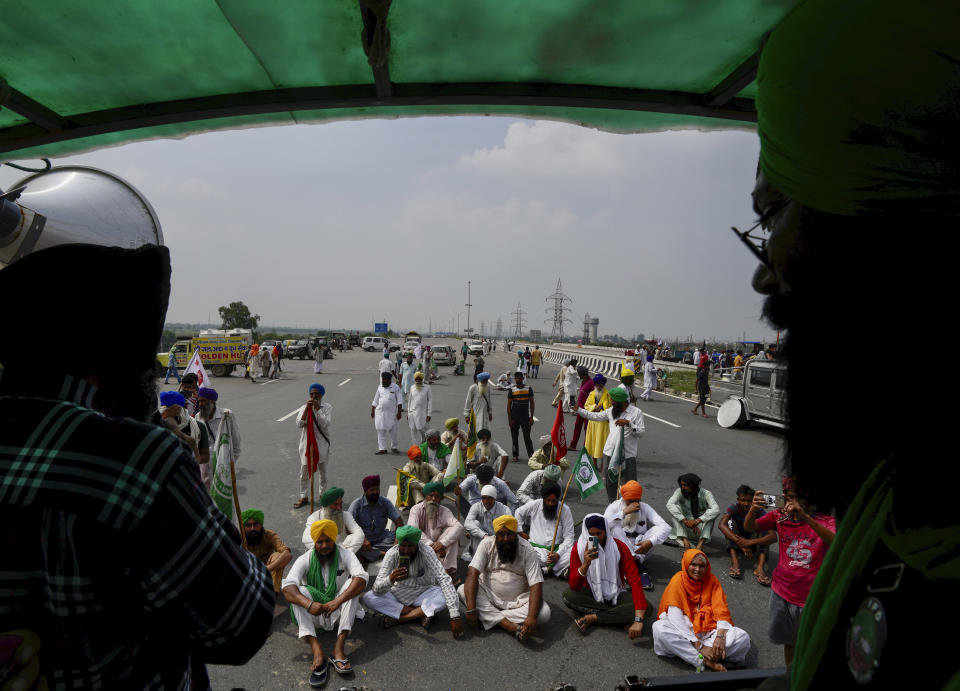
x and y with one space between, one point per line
553 542
236 503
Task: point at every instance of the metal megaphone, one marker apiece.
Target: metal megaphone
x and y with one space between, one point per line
74 204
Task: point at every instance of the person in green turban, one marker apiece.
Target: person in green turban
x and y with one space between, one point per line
857 197
440 527
323 588
625 422
412 584
349 533
265 545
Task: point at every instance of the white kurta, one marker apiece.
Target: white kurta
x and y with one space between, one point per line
632 432
324 418
541 532
407 370
343 616
385 366
349 533
673 636
480 403
479 522
386 402
419 405
649 526
649 376
503 589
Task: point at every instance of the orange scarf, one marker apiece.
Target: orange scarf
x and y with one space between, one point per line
702 601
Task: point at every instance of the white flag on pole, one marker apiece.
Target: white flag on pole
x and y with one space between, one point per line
196 365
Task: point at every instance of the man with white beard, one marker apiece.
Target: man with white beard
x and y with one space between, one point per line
349 533
637 526
479 523
422 471
478 400
538 520
386 409
440 529
488 452
419 400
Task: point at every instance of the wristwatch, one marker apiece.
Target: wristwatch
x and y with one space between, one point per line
638 620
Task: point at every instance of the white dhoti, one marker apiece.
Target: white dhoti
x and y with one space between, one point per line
491 610
430 600
342 617
563 562
671 643
319 476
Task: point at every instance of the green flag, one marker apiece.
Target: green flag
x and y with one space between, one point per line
456 468
618 460
586 477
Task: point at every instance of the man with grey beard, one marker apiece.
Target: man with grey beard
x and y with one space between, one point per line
488 452
349 533
504 585
440 529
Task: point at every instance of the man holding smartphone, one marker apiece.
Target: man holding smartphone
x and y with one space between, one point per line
804 537
412 585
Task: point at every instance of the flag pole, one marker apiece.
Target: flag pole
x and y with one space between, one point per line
236 503
556 527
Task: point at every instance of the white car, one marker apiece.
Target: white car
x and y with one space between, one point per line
475 348
372 343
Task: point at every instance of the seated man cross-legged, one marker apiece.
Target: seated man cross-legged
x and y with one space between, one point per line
539 521
504 585
323 589
441 530
694 619
349 533
412 585
742 544
265 545
479 522
637 525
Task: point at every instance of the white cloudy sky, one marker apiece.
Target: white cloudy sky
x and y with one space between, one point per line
342 223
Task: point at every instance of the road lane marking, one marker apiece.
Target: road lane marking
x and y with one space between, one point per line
343 382
269 381
646 415
289 415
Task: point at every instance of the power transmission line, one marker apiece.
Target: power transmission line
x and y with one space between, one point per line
558 312
519 321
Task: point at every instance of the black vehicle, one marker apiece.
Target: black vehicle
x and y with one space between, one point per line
303 349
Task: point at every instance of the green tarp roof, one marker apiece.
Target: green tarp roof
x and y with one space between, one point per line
81 75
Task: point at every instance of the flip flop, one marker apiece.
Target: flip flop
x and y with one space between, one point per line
341 666
736 574
581 626
318 677
388 622
762 580
425 621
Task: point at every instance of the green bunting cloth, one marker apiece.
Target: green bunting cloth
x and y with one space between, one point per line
857 104
255 514
408 533
331 495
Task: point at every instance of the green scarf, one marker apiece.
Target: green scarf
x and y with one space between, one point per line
321 589
868 520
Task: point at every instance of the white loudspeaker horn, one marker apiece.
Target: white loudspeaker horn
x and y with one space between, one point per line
74 204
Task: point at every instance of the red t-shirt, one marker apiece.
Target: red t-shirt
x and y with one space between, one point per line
628 574
801 553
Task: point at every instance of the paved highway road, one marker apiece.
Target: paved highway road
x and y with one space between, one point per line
406 656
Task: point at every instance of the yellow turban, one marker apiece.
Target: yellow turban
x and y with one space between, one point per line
626 372
505 521
324 527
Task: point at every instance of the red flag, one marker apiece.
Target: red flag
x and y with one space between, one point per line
313 451
558 435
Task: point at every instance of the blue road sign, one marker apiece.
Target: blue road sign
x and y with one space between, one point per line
380 328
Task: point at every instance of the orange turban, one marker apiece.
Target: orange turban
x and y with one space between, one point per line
414 452
631 491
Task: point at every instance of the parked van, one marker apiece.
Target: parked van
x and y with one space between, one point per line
372 343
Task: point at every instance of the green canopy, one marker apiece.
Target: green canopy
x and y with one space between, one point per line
81 75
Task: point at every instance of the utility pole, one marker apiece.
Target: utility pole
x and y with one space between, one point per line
468 306
558 312
499 331
483 329
519 321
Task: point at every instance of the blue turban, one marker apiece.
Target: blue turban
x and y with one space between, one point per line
483 376
317 387
599 379
169 398
209 394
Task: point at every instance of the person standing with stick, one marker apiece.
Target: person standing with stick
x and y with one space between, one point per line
314 422
626 428
225 443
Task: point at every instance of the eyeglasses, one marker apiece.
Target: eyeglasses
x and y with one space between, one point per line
757 244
